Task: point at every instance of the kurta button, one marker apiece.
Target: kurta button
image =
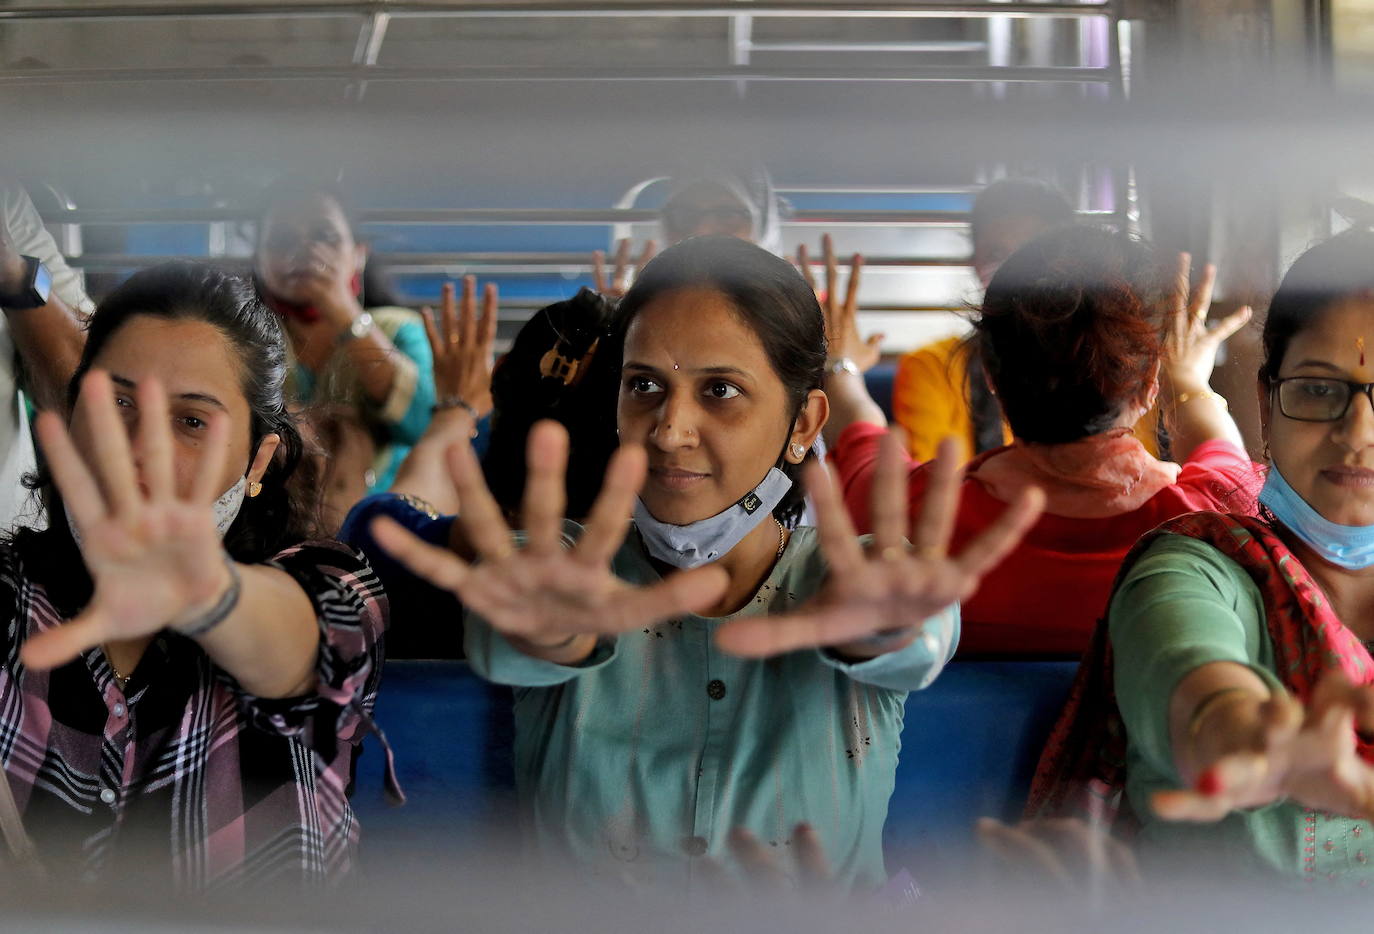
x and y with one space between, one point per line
1362 857
715 690
695 846
118 710
107 795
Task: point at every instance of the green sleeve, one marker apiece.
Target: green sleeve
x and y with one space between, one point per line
1181 606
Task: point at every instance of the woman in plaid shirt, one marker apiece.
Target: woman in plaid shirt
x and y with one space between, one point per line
185 676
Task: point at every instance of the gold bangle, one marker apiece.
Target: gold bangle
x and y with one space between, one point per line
1210 703
1203 394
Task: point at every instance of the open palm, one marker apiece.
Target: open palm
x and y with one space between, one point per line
548 589
155 557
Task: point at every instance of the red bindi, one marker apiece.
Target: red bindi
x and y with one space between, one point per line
1209 783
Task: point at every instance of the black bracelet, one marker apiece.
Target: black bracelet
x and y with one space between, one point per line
217 613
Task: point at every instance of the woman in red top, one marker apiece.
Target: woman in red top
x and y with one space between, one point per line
1078 338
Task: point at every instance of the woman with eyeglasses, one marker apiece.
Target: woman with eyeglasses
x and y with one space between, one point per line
1228 693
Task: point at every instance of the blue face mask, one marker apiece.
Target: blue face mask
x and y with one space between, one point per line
691 546
1346 546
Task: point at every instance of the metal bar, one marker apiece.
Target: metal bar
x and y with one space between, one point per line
487 263
368 49
951 45
513 74
522 216
451 10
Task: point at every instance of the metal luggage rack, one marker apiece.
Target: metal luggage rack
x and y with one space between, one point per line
735 63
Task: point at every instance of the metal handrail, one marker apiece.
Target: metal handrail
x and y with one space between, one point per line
517 216
556 8
526 263
509 74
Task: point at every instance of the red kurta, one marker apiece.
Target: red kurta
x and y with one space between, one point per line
1045 597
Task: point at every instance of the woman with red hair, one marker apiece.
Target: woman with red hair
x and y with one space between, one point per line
1079 336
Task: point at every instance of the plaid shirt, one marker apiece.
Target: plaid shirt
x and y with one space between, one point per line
186 778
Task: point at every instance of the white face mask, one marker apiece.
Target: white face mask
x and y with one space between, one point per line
226 510
691 546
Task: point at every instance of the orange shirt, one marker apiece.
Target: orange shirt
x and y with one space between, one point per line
930 402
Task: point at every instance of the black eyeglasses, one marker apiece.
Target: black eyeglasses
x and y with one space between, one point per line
1315 399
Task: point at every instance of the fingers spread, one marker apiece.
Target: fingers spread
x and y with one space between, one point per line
1004 534
80 492
890 509
439 566
599 271
481 516
467 313
545 490
810 856
1232 323
804 264
941 504
449 307
759 865
678 594
490 317
1201 298
61 644
609 521
838 540
214 450
155 440
110 455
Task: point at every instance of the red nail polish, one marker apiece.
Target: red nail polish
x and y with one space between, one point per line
1209 783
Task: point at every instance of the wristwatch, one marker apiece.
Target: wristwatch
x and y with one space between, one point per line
360 328
34 290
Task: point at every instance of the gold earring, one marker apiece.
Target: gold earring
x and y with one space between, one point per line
254 489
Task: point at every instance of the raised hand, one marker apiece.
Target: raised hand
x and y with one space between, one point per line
1190 345
1308 755
154 554
624 270
327 283
841 316
874 600
545 594
463 345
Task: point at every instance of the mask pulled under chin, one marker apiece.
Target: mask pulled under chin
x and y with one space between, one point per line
691 546
226 510
1346 546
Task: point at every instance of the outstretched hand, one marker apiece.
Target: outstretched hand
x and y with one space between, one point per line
841 314
1309 755
874 600
154 554
463 344
544 593
1190 345
624 270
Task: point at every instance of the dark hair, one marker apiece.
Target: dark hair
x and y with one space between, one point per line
377 289
772 298
267 523
1069 332
1330 271
1020 197
561 367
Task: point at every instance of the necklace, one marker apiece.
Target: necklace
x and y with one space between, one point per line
122 679
782 537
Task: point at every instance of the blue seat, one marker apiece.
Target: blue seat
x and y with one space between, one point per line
879 381
969 748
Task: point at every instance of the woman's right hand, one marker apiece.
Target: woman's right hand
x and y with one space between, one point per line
549 599
1284 751
1190 346
624 271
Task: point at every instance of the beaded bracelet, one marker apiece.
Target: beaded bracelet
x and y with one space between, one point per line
454 402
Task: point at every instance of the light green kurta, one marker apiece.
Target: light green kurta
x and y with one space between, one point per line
1182 605
641 760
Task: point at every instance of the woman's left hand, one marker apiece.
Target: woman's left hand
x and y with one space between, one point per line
463 345
155 556
841 315
874 601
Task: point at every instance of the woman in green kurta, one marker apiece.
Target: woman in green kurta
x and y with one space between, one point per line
708 666
1229 693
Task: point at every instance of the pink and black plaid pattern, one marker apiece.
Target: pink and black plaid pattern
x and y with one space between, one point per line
188 779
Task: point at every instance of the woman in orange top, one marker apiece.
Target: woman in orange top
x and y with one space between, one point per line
940 390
